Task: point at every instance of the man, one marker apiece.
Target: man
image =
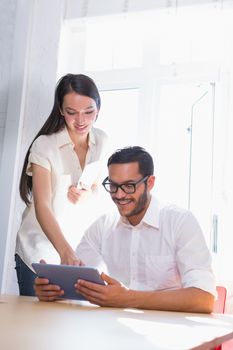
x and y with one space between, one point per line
156 255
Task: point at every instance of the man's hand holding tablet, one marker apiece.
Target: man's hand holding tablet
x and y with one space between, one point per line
57 281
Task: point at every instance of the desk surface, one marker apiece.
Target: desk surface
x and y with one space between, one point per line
27 324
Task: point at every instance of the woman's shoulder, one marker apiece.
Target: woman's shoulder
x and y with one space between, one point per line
46 139
44 142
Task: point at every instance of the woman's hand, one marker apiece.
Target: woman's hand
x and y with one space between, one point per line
75 194
68 257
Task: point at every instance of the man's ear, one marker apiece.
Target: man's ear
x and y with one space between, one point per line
151 182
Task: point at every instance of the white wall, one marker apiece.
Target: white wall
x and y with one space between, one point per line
13 92
83 8
7 25
31 90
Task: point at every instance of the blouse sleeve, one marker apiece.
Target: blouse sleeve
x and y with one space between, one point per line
38 155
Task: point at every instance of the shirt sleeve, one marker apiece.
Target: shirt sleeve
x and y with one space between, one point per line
193 256
38 155
89 248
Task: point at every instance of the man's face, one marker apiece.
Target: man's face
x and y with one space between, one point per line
135 204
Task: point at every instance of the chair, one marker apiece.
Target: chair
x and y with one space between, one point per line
220 303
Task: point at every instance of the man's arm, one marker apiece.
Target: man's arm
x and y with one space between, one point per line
115 294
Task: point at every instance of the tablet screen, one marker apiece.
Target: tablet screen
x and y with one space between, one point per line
89 175
66 276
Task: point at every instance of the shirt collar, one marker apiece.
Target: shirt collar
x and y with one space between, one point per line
63 138
151 216
92 137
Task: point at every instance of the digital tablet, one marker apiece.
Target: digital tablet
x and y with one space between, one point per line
89 175
66 276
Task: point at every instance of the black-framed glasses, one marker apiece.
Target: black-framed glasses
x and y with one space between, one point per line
128 187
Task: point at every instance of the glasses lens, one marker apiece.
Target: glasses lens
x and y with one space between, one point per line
128 188
109 187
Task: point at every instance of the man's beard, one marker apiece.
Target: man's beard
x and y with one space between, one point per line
141 204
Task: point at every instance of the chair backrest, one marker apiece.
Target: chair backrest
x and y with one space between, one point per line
219 306
220 303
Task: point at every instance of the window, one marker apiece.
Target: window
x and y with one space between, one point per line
119 116
165 81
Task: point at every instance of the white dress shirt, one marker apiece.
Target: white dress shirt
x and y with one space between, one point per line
56 153
166 250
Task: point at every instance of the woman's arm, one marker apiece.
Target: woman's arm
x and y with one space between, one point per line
42 194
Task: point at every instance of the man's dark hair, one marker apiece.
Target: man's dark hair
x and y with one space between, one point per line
134 154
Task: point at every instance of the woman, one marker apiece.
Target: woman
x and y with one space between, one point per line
66 143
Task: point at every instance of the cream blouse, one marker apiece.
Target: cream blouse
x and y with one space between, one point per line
56 153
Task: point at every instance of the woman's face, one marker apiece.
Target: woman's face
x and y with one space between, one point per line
79 112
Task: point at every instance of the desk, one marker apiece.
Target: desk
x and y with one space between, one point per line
27 324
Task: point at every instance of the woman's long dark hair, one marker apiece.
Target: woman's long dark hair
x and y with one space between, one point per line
79 83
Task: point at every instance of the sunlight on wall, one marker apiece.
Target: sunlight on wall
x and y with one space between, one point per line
109 49
151 67
119 117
